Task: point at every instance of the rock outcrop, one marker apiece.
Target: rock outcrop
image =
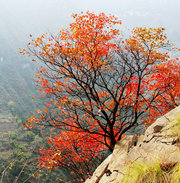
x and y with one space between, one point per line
158 143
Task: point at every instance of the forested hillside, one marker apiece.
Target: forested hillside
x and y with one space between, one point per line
16 91
16 83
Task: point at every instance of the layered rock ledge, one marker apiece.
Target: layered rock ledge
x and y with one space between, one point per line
159 142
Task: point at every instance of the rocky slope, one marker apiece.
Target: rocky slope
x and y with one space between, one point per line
161 142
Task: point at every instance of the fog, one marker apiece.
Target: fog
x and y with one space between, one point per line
19 18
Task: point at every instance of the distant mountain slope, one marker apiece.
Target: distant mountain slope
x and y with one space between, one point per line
16 76
16 85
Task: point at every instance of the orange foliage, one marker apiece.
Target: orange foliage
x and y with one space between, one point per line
100 85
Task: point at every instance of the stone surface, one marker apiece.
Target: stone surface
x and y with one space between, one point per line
158 143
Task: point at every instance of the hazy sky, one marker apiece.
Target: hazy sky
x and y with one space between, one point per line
39 16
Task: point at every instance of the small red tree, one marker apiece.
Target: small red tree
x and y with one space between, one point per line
101 85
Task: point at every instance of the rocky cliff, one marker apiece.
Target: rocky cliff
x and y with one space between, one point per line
161 142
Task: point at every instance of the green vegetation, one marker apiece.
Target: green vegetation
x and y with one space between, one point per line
18 155
155 173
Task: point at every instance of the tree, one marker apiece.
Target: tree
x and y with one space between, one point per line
100 84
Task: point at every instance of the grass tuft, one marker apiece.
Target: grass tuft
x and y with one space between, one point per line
176 128
155 173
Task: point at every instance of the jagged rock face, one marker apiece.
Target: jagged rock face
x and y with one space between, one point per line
158 143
